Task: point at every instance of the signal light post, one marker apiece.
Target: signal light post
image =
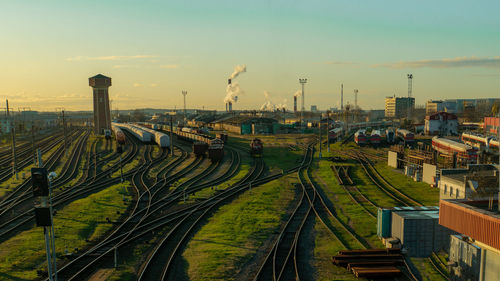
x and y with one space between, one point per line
41 182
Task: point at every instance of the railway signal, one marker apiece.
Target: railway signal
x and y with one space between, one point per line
40 182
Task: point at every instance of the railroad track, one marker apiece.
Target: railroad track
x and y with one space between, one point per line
345 181
86 186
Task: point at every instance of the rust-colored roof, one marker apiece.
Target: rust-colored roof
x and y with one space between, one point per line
471 219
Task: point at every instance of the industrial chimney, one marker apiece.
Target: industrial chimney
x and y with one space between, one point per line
230 106
294 103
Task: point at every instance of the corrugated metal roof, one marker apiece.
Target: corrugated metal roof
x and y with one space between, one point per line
418 214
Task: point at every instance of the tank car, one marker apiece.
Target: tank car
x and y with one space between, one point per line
256 147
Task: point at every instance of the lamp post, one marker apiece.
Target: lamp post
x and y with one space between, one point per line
184 93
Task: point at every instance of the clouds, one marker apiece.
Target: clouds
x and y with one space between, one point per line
169 66
110 58
458 62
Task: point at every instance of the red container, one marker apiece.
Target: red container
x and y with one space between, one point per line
468 219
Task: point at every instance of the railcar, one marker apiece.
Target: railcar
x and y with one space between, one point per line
335 134
375 137
405 135
119 135
256 147
161 139
222 136
477 140
360 137
449 147
216 150
200 148
139 133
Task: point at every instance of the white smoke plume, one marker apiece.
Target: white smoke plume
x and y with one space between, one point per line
283 105
240 68
298 93
233 90
268 105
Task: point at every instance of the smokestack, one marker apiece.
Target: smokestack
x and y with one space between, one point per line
229 81
230 106
341 97
294 103
226 106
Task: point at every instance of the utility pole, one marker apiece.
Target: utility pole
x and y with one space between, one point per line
341 97
302 81
13 132
356 111
65 136
184 93
319 126
33 142
328 130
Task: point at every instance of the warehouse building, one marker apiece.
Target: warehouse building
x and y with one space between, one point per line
441 123
478 182
397 107
479 221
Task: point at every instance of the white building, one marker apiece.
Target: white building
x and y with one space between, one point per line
441 123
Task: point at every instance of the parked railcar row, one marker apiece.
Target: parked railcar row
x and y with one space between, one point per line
145 134
448 147
487 143
119 135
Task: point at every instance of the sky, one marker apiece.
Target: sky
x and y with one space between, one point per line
153 50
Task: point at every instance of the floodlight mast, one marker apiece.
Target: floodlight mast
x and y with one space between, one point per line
184 93
410 81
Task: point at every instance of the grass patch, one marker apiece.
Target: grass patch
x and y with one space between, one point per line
234 233
22 255
426 270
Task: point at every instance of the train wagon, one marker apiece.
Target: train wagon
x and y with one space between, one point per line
448 147
119 135
256 147
139 133
480 141
375 137
390 136
335 134
200 148
216 150
161 139
360 137
405 135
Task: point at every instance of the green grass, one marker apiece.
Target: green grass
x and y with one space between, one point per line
420 191
22 255
12 182
234 233
426 270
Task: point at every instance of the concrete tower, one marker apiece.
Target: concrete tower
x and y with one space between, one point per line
102 113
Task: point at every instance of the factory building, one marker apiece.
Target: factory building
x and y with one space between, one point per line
478 222
414 229
441 123
478 182
397 107
102 113
245 125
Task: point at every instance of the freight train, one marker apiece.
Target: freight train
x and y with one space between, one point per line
463 152
360 137
256 147
146 135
